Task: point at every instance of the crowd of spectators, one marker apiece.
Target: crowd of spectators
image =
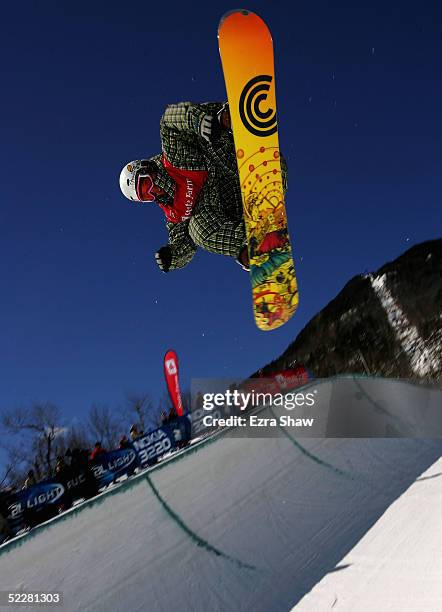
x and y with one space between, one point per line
5 531
74 461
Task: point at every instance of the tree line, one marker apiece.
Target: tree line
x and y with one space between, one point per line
35 436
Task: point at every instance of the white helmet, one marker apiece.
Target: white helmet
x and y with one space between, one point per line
129 177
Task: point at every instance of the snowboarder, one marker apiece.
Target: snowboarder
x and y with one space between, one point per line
195 181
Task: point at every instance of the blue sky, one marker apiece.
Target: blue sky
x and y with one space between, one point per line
85 314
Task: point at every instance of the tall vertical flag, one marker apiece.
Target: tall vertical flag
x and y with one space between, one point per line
173 385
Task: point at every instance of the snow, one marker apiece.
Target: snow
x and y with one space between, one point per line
423 360
348 314
397 566
251 524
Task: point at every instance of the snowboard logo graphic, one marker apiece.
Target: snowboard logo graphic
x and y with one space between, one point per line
258 122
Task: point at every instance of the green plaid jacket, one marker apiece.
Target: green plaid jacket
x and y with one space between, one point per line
217 223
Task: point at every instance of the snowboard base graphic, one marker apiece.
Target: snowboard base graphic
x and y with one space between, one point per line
246 50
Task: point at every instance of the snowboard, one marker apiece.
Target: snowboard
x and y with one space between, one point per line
246 50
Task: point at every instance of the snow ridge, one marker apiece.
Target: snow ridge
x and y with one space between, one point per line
423 359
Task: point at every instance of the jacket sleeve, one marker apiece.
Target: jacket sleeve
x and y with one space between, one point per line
212 230
186 116
182 246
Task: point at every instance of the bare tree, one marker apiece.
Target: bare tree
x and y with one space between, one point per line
35 430
7 472
104 425
20 459
141 408
164 405
76 435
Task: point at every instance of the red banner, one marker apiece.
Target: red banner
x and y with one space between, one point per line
173 385
291 378
279 382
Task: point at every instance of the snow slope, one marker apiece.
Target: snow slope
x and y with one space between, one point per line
424 357
249 524
397 565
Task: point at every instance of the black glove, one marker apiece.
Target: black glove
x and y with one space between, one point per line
243 259
210 128
164 258
223 117
206 127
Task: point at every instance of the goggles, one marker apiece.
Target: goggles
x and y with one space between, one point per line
144 188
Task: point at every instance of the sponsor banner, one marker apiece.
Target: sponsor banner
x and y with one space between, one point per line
292 377
279 382
153 445
181 430
111 465
78 484
36 504
198 422
172 380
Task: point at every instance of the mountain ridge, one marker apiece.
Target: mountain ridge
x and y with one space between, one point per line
385 323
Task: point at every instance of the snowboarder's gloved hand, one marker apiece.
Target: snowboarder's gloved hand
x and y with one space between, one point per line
210 127
206 127
223 117
164 258
243 259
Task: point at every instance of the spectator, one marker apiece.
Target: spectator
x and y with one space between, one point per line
133 432
124 442
30 480
5 531
79 464
79 458
98 450
60 466
166 418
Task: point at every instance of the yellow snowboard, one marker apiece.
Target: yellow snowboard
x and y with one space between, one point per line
246 49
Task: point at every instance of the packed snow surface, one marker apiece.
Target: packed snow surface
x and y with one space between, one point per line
397 565
251 524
